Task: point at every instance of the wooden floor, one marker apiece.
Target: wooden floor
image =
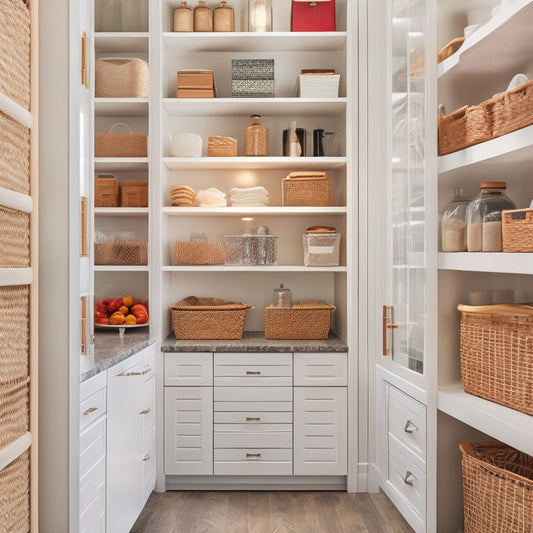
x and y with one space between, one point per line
269 512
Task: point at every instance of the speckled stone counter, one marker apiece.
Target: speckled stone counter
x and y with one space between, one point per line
254 341
110 348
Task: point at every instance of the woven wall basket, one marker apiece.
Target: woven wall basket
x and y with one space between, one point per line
121 78
111 144
14 495
14 155
14 411
14 238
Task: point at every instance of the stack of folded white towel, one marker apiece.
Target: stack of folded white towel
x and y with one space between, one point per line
249 196
210 198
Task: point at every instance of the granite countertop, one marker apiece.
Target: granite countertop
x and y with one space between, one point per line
254 341
111 348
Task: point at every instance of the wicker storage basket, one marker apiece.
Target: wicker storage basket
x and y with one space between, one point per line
106 191
193 319
121 78
512 109
496 347
15 51
517 230
14 412
306 189
109 144
218 146
199 253
321 249
304 320
15 495
14 238
134 194
14 155
121 253
465 127
450 49
14 328
497 488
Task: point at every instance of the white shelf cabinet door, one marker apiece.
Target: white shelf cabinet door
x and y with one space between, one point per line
189 430
320 431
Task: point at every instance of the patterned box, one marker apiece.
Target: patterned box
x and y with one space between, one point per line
252 78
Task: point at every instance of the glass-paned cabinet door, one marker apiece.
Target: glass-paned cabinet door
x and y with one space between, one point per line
404 320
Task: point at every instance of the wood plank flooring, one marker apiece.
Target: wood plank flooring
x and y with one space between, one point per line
269 512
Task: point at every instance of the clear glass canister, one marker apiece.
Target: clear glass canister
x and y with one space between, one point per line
203 17
183 18
223 18
260 15
453 223
256 138
282 297
484 217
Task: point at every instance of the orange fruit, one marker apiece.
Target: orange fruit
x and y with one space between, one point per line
123 309
127 301
130 320
117 318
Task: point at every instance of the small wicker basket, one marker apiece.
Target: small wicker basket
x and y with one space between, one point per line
134 193
208 318
306 189
106 191
517 230
496 347
513 109
218 146
199 253
497 488
321 249
110 144
121 78
304 320
121 253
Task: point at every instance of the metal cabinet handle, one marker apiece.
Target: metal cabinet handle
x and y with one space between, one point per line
146 458
388 317
253 419
128 374
146 411
253 373
410 427
90 410
253 456
146 371
409 478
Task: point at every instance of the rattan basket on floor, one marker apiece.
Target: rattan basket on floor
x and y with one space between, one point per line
496 347
14 155
497 488
14 495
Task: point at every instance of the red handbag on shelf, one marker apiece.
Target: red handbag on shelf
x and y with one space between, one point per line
313 16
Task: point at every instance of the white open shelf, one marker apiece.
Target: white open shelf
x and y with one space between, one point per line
121 268
255 42
236 211
223 107
254 163
110 164
500 422
512 263
121 42
248 268
121 211
128 107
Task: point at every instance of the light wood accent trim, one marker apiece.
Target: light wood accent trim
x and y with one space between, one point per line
83 324
84 246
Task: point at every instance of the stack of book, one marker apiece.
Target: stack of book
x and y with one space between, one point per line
318 83
196 84
252 78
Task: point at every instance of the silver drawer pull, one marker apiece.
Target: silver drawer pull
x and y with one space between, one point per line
409 478
90 410
145 412
146 458
127 374
253 373
410 427
146 371
253 419
254 456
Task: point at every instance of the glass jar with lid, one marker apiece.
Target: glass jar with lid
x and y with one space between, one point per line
484 217
453 223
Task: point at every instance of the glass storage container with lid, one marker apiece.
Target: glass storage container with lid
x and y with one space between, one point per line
484 217
282 297
453 223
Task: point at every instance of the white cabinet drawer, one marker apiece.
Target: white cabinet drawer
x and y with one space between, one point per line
92 385
267 370
92 520
252 417
253 440
246 461
149 465
148 405
256 406
92 445
253 394
91 483
148 370
252 427
407 480
320 369
92 407
407 421
188 369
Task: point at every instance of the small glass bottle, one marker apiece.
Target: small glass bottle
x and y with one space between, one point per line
453 223
484 217
223 18
293 146
256 138
260 15
111 16
203 17
282 297
184 18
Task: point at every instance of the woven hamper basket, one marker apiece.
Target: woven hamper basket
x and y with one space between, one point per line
110 144
15 495
134 194
306 189
198 253
496 347
14 155
212 322
304 320
218 146
14 238
121 253
512 109
121 78
14 413
14 332
15 51
497 488
517 230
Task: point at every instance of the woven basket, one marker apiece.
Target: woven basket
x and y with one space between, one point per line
512 109
14 413
106 191
121 78
198 253
220 321
450 49
222 146
497 488
121 253
134 194
15 495
109 144
306 189
14 155
14 332
304 320
321 249
15 52
465 127
496 347
517 230
14 238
